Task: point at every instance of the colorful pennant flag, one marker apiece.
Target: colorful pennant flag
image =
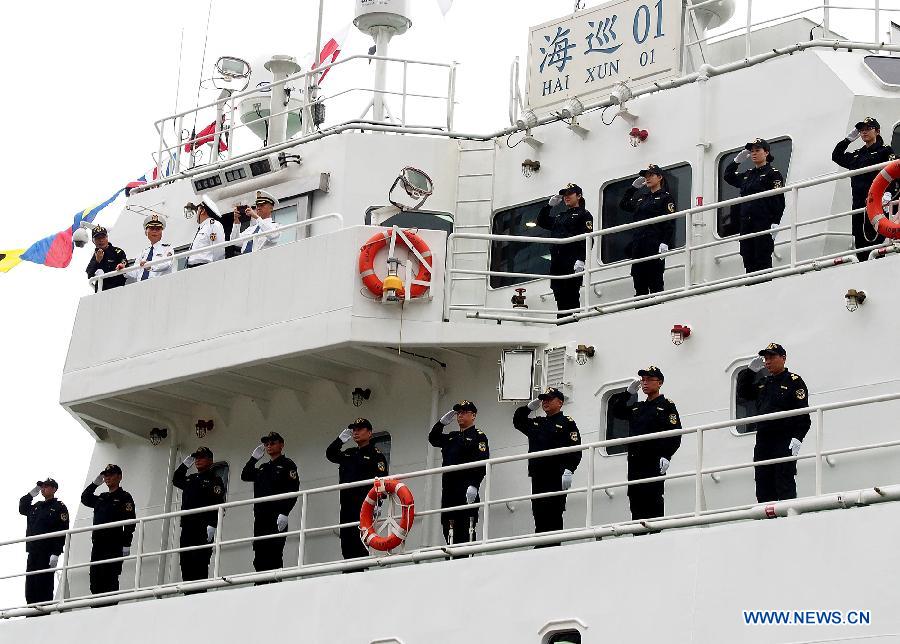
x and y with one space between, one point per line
10 259
331 50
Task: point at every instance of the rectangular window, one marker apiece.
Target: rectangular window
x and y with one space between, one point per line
727 222
519 257
615 247
885 68
424 219
744 408
895 139
616 427
382 440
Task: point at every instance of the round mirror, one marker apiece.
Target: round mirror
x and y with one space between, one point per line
416 183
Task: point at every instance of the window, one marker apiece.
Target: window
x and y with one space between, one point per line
744 408
895 138
727 223
615 427
427 220
614 247
182 261
885 68
382 440
287 213
565 637
519 257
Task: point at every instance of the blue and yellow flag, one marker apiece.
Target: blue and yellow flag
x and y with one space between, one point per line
9 259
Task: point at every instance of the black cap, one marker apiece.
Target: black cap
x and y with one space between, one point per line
360 423
51 482
202 452
571 187
99 231
111 469
272 437
552 392
651 169
651 372
869 121
758 143
773 349
465 405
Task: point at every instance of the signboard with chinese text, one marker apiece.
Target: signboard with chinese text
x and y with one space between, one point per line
632 41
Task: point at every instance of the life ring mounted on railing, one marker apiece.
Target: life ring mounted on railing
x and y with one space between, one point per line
874 206
392 288
397 530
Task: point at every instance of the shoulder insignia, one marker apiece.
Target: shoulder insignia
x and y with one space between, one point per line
589 224
795 376
482 446
776 183
64 516
801 394
217 489
381 466
570 418
129 507
671 206
673 419
573 436
293 474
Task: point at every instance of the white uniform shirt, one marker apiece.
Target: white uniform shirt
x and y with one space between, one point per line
210 232
257 225
160 251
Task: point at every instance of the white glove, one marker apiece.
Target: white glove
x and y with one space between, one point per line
579 266
471 494
852 135
566 479
634 387
774 232
555 200
281 523
35 490
534 404
447 418
188 462
210 534
663 248
345 435
742 156
795 446
757 364
126 550
258 452
54 559
663 465
98 480
639 183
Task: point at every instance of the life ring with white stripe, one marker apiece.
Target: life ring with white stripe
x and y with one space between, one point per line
398 531
367 263
874 207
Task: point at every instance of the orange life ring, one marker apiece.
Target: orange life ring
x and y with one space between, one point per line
874 208
367 263
399 531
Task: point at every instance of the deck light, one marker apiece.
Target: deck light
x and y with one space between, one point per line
203 427
583 352
157 435
359 395
855 299
680 333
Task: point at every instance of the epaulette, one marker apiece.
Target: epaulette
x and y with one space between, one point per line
795 376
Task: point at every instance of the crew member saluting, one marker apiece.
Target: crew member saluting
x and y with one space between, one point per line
759 214
468 445
47 515
109 543
549 473
360 463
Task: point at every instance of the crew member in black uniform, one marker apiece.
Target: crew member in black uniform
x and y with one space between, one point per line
277 476
653 238
198 491
468 445
873 151
566 258
106 259
549 473
360 463
114 505
781 390
648 458
45 516
760 214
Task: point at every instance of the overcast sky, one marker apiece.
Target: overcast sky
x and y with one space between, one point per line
85 84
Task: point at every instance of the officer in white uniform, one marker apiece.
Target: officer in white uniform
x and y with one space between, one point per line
261 222
209 233
153 228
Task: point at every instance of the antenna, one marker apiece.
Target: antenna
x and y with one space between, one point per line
381 21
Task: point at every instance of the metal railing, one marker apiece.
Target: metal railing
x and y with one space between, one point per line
98 279
689 251
488 542
169 157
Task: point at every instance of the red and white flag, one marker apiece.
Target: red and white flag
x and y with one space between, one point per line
331 50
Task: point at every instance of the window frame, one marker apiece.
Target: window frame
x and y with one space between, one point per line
367 218
733 370
604 394
719 180
490 256
895 133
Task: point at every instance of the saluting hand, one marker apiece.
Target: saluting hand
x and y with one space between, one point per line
447 418
345 435
639 183
258 452
98 480
634 387
98 254
35 491
757 364
554 201
534 404
188 462
852 135
742 156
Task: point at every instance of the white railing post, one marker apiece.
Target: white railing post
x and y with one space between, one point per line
301 545
485 502
403 104
698 475
688 255
139 537
64 577
451 97
877 15
826 20
448 275
162 135
586 274
217 542
179 123
820 433
749 22
795 193
589 503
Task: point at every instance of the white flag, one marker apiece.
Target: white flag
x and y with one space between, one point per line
445 5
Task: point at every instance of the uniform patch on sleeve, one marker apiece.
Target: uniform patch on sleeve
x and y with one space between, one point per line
671 207
801 394
482 446
217 490
589 224
293 474
573 436
129 507
776 183
64 516
381 466
673 419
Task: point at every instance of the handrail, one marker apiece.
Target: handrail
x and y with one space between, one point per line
224 244
700 516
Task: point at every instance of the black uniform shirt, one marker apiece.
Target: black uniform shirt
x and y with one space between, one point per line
571 222
42 518
760 214
112 257
198 491
783 392
878 152
646 205
648 417
356 464
458 447
273 477
109 507
549 432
